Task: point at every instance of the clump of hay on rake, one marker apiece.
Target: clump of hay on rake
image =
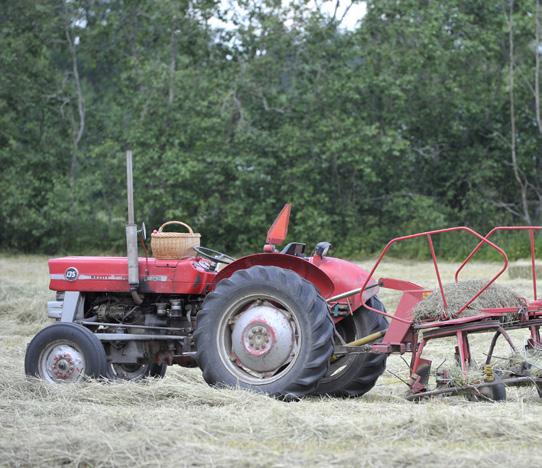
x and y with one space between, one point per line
528 362
458 294
455 377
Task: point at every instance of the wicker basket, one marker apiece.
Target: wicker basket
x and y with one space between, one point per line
174 245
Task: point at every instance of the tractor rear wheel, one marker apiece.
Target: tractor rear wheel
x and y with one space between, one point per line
355 374
65 352
265 329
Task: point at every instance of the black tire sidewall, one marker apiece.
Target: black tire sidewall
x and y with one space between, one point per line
217 373
89 345
367 367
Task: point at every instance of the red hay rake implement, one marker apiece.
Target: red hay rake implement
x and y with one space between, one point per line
404 335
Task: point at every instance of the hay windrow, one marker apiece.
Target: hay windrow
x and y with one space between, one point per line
525 362
458 294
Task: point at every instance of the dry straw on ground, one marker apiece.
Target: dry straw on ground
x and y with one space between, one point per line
524 270
180 421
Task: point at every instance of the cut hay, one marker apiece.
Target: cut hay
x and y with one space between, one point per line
456 377
526 362
523 270
458 294
180 421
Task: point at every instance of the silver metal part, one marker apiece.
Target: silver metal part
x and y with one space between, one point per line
131 228
176 308
344 294
130 186
133 256
264 317
128 353
62 361
54 309
72 308
129 371
127 325
136 337
352 292
262 338
161 309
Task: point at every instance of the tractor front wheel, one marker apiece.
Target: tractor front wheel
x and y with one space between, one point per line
265 329
65 352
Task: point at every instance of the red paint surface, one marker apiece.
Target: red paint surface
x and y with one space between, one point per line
302 267
279 229
110 274
345 276
157 276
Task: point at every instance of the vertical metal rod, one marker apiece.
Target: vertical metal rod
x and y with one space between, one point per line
535 334
492 347
533 266
131 229
130 186
462 353
434 257
416 358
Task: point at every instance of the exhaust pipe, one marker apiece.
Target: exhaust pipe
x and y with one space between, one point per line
131 234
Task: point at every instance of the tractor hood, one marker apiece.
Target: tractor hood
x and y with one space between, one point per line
110 274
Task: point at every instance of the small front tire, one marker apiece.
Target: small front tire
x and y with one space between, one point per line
65 352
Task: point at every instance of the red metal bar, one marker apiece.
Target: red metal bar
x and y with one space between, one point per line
417 356
462 346
489 234
533 266
385 314
441 231
435 264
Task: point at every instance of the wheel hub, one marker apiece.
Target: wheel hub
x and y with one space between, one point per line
262 338
64 363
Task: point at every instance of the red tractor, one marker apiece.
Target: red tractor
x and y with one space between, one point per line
277 322
260 322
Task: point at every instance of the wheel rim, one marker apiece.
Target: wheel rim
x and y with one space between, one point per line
259 339
129 371
62 361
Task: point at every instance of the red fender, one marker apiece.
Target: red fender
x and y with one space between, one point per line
302 267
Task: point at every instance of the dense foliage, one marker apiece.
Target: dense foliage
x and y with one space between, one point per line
426 115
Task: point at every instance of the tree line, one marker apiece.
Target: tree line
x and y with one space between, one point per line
426 115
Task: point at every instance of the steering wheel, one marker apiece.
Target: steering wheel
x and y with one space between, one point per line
213 255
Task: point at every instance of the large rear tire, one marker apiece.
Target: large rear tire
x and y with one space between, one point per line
265 329
65 352
354 375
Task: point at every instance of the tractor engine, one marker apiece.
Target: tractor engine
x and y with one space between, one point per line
153 312
161 316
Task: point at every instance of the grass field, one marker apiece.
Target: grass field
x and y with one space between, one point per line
180 421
